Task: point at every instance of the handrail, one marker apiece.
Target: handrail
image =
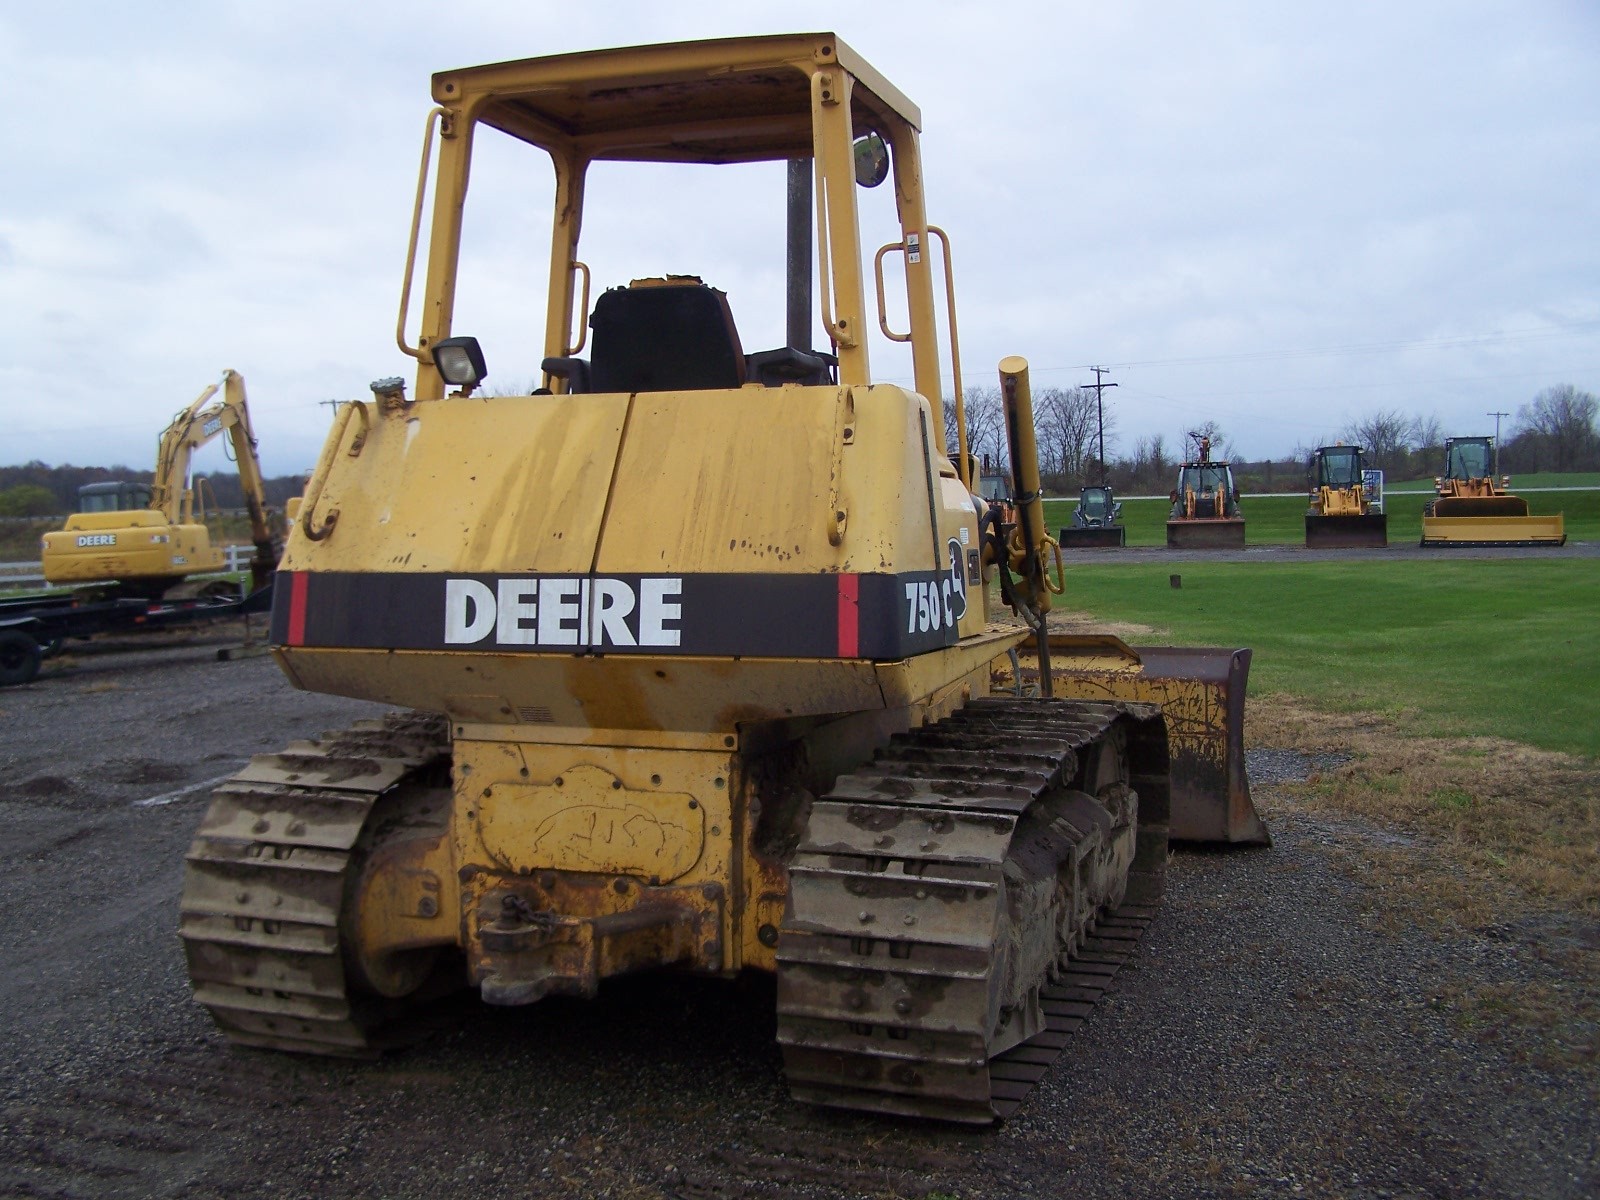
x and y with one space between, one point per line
950 301
416 231
583 310
877 275
308 505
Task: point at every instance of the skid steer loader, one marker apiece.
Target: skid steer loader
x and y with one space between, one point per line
704 667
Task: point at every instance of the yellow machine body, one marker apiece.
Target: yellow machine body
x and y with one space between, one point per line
669 610
151 549
1205 505
136 544
1474 508
1342 513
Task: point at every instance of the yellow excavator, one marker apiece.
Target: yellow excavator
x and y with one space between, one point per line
1472 509
703 663
1346 506
133 540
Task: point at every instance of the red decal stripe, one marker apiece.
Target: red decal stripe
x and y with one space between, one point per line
297 608
849 616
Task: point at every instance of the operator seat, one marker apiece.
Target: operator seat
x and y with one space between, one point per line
664 335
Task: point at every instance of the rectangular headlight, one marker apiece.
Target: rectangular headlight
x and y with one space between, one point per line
460 361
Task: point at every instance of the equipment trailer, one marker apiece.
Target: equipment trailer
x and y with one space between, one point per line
31 627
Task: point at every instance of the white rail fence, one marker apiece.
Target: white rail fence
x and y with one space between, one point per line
30 575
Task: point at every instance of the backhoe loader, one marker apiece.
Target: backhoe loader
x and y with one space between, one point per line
137 541
703 666
1205 504
1472 509
1344 511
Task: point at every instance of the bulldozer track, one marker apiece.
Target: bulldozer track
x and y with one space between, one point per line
265 879
888 956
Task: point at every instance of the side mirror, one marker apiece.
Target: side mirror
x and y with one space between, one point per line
872 160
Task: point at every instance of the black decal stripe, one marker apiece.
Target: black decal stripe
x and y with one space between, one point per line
720 615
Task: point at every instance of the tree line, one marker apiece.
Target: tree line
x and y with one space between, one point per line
1555 431
36 489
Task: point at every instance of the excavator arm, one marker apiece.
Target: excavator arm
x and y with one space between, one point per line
172 490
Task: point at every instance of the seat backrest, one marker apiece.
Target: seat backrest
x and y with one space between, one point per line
664 337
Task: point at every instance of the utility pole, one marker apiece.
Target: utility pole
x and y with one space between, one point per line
1497 416
1100 414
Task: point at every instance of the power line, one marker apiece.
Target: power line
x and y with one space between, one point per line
1100 415
1350 348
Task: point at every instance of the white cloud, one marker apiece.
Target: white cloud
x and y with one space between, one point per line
1277 216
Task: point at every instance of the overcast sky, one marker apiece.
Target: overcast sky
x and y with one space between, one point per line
1277 216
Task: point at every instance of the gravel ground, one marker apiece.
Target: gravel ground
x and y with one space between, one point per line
1269 1038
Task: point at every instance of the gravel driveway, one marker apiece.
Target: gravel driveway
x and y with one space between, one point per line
1269 1038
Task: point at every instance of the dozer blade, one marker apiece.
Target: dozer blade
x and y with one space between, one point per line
1076 537
1480 506
1328 533
1201 692
1494 531
1205 535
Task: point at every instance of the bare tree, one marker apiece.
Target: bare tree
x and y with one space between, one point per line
1384 435
1221 448
1425 434
1562 420
986 426
1068 434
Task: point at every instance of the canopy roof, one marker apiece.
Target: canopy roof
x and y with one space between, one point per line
722 100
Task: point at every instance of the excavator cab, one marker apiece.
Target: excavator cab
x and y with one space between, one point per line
113 497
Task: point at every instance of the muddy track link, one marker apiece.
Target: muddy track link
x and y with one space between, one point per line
265 879
941 943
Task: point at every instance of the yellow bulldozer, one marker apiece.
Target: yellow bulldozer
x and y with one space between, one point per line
1346 506
1471 508
702 659
133 540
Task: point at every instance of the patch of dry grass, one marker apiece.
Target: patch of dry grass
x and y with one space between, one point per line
1499 812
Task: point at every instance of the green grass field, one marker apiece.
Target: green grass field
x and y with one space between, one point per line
1448 647
1280 520
1536 479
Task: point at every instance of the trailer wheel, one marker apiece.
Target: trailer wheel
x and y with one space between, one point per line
19 657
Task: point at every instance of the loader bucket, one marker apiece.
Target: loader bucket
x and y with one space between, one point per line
1370 529
1201 692
1205 535
1488 530
1095 537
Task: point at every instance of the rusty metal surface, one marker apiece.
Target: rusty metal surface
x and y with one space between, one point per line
1348 529
266 878
1197 533
1201 693
936 954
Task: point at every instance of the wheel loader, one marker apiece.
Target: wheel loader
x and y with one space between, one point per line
1472 509
1345 509
1205 504
129 540
702 663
